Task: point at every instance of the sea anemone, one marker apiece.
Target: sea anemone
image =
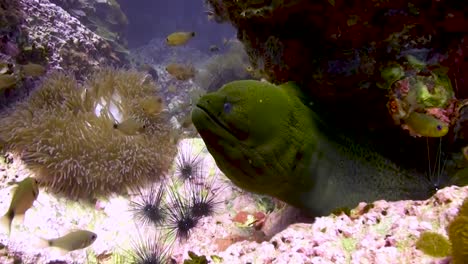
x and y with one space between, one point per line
65 133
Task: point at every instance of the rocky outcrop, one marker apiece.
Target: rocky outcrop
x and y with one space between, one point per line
339 50
103 17
67 43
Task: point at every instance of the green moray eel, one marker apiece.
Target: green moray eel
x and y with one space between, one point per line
267 140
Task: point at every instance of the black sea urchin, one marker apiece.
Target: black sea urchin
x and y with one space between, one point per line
188 166
202 197
181 220
150 249
149 208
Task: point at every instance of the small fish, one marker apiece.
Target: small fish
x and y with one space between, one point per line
72 241
249 69
214 48
130 127
426 125
180 72
7 81
25 193
77 12
33 69
211 16
152 105
179 38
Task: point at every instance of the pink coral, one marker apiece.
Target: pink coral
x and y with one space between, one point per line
439 113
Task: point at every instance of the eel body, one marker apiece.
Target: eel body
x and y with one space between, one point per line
267 140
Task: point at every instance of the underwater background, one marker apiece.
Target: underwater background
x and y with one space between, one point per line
128 133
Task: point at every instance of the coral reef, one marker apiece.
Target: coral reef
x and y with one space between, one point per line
105 18
456 245
420 96
384 233
14 50
61 39
65 133
43 34
339 57
375 233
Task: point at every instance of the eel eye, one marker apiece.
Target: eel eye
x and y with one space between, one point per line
227 107
439 127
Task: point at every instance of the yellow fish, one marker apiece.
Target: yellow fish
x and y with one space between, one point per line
214 48
172 89
7 81
72 241
130 127
180 72
152 105
33 69
426 125
23 198
179 38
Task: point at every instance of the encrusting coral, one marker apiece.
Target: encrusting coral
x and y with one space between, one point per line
456 245
68 133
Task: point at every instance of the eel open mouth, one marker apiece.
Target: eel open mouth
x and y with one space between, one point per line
214 119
